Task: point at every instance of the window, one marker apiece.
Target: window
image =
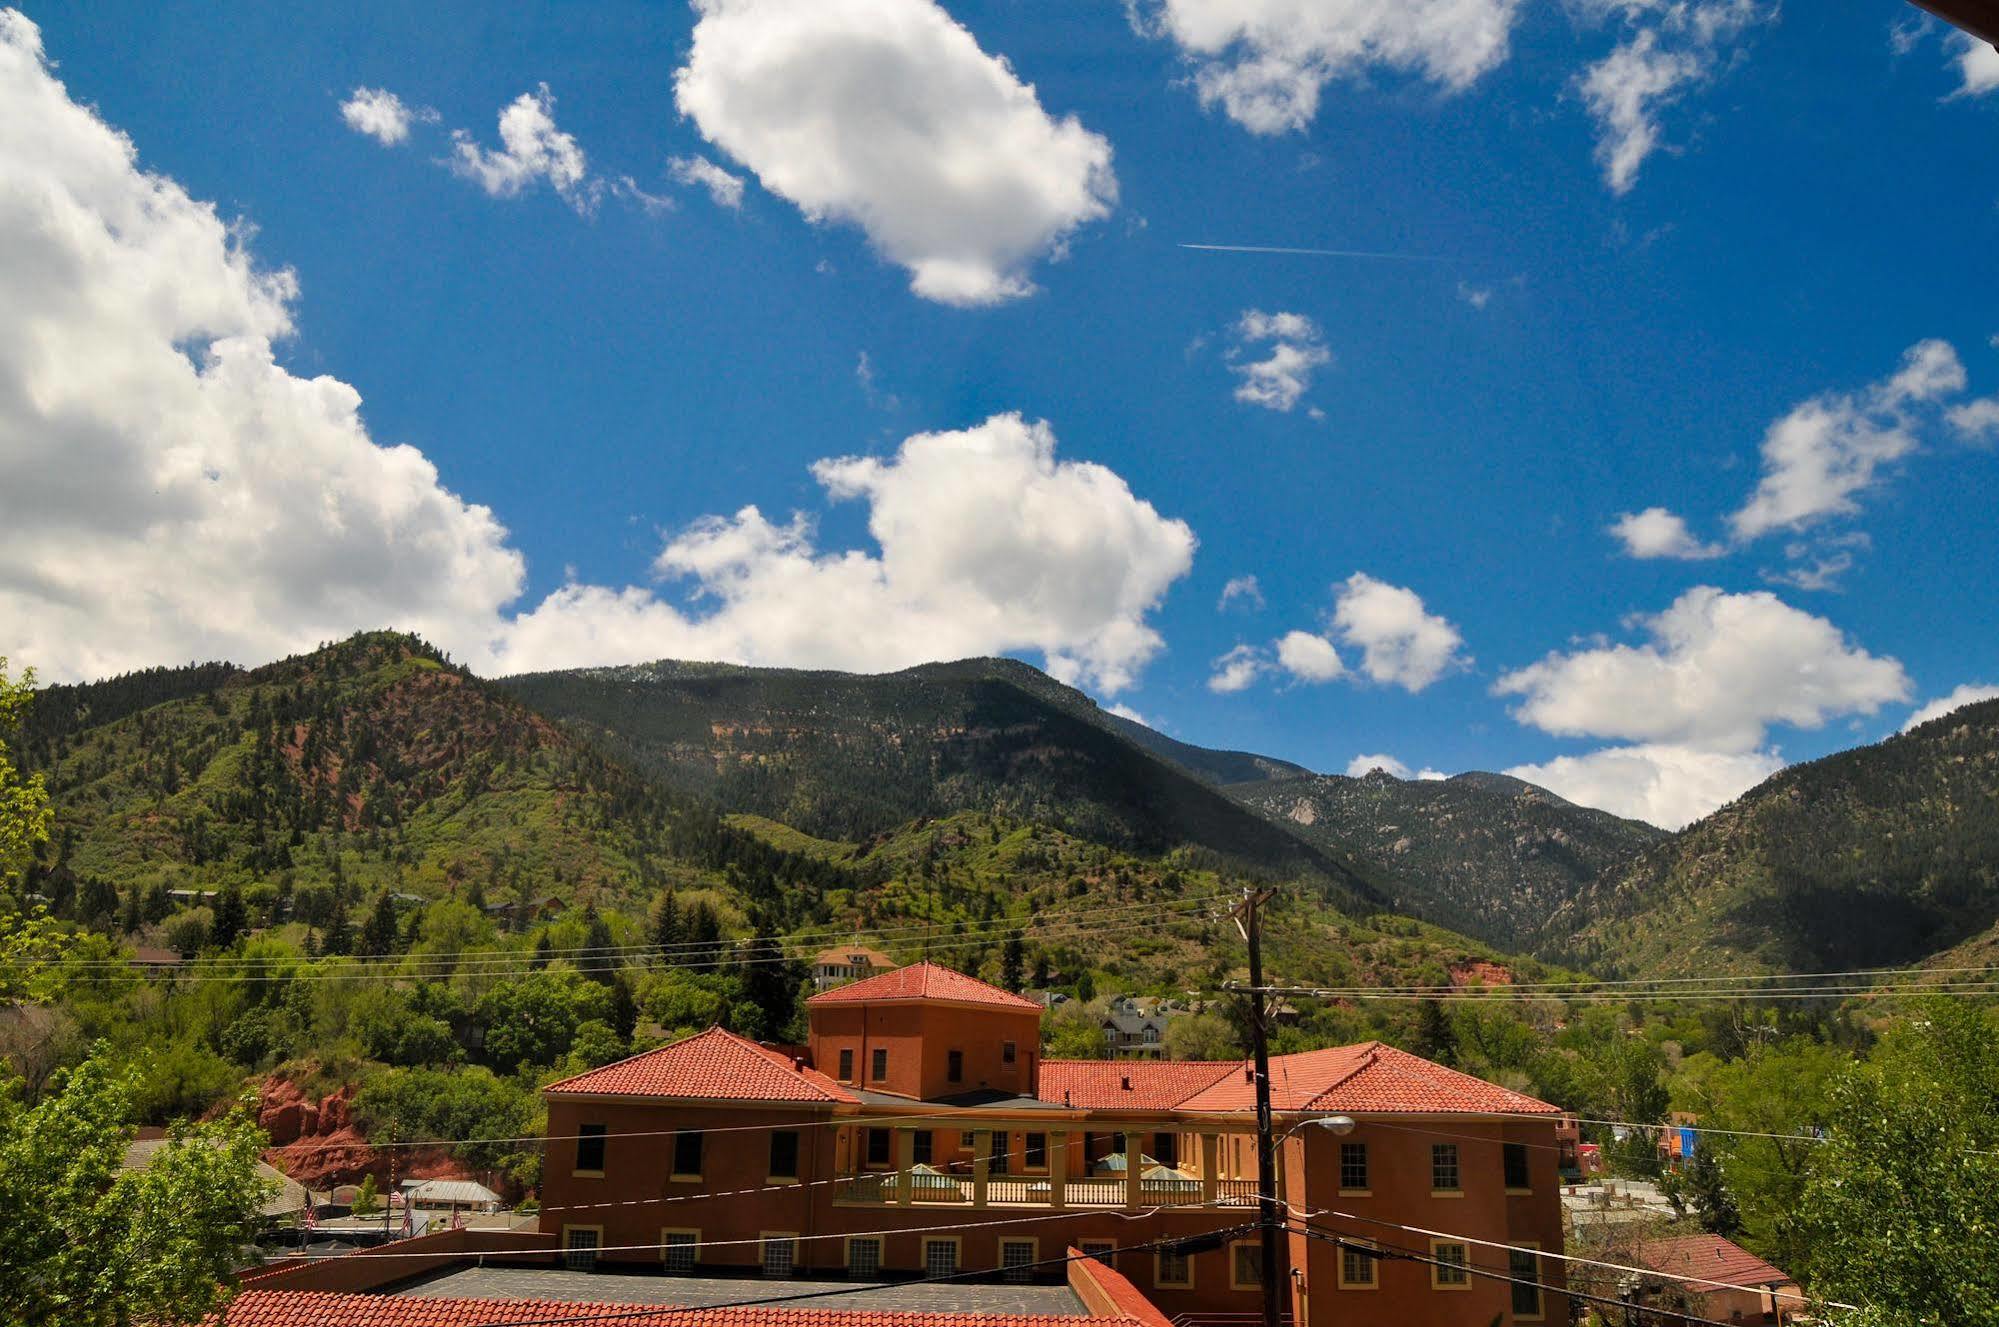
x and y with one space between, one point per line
1173 1268
579 1247
940 1257
954 1066
1017 1260
1166 1149
784 1154
590 1149
1357 1268
1353 1167
1525 1269
1036 1157
923 1150
687 1154
878 1147
1513 1160
1008 1052
878 1066
1103 1250
968 1141
864 1257
1245 1266
1444 1168
677 1249
847 1065
1002 1141
779 1251
1448 1271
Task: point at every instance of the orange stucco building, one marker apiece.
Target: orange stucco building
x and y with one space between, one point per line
919 1133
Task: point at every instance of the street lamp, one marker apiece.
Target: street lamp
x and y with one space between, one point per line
1337 1124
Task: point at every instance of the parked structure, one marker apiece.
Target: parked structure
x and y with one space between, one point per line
1772 1297
920 1128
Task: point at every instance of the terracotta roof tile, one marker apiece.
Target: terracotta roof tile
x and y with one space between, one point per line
1711 1258
311 1308
715 1064
923 981
1128 1084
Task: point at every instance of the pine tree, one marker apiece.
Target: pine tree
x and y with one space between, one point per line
378 935
1435 1038
598 964
543 951
1013 964
665 933
232 917
1041 971
339 931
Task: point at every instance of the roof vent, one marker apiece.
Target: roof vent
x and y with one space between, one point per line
798 1064
1065 1096
1127 1082
1248 1074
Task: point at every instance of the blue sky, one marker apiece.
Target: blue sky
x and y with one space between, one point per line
615 363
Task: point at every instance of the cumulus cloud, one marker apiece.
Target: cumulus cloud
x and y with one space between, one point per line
170 491
1238 670
382 115
1476 296
1673 46
1401 642
1361 766
1977 65
1658 533
1968 694
1295 350
1696 700
1243 590
1265 62
1976 421
887 115
531 150
1309 658
724 188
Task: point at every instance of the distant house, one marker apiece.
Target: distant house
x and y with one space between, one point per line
1768 1294
832 967
1135 1029
450 1196
288 1196
1677 1140
535 909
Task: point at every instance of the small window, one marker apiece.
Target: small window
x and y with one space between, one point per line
1001 1146
1246 1267
1513 1160
1444 1177
967 1141
1173 1268
847 1065
878 1147
778 1251
1356 1268
1036 1156
864 1257
579 1248
784 1154
590 1148
1353 1166
1525 1269
1448 1270
677 1251
878 1064
687 1153
954 1066
924 1149
1103 1250
1017 1260
940 1257
1008 1052
1166 1150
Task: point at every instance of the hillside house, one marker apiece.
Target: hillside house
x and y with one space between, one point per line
832 967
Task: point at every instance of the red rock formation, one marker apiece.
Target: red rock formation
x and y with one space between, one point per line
318 1144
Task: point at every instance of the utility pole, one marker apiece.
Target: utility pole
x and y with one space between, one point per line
1250 924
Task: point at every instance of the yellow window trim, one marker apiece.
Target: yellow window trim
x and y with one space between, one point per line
1356 1193
586 1174
1234 1263
1435 1271
679 1230
1345 1284
1158 1276
1540 1292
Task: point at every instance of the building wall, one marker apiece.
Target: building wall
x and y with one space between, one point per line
919 1036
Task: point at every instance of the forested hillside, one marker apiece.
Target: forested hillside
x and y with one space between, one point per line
1882 855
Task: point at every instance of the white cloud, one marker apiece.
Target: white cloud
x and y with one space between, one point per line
1237 670
1264 62
1818 458
1695 701
172 492
1661 784
1476 296
382 116
1309 658
1401 642
1277 381
1243 588
1675 45
531 149
1362 766
724 188
887 115
1977 65
1976 421
1968 694
1658 533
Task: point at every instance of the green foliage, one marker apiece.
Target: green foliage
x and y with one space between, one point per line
395 1026
89 1244
1073 1031
464 1103
367 1197
25 815
532 1021
180 1081
1202 1036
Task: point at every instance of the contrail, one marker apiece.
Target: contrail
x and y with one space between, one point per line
1317 253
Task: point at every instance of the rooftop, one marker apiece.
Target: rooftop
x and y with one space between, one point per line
712 1065
1710 1258
924 981
869 1299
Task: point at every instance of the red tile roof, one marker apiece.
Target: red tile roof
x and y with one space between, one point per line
715 1064
1710 1258
923 981
311 1308
1128 1084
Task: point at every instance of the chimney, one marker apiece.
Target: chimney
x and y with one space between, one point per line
1127 1082
798 1064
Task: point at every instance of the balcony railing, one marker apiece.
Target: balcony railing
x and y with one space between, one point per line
928 1186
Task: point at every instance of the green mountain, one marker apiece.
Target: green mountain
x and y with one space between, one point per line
1217 767
1880 856
843 756
1485 854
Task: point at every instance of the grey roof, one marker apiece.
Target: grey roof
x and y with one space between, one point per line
290 1195
450 1191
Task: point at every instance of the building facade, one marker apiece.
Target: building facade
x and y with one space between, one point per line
919 1133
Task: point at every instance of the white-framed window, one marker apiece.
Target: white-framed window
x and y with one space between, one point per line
864 1257
780 1252
1449 1268
677 1249
1017 1259
940 1257
579 1247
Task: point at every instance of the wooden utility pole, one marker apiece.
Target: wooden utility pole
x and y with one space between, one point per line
1249 922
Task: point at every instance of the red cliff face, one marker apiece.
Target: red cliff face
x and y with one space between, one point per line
317 1143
